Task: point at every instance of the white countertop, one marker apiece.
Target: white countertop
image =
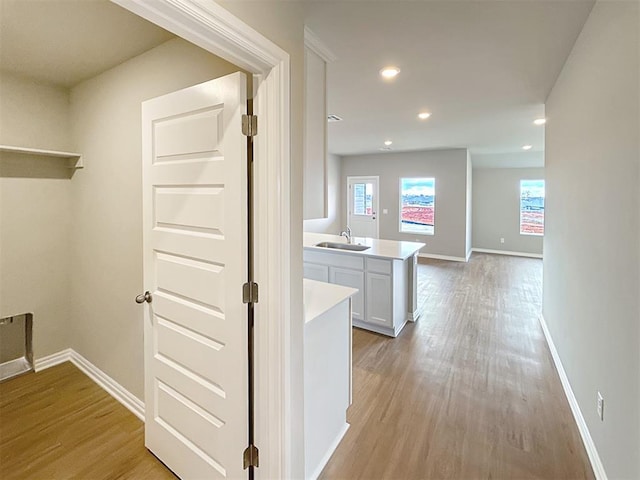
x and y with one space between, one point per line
379 248
320 297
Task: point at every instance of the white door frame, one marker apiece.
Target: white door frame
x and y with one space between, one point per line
376 203
211 27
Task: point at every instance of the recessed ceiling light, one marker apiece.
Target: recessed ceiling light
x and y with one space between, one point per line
527 147
424 115
540 121
388 142
389 72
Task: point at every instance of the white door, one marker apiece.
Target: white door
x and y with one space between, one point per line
362 213
195 263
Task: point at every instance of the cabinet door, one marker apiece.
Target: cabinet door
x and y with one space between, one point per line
314 271
315 136
353 279
379 293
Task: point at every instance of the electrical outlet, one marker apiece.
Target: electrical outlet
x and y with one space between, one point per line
501 239
385 211
600 407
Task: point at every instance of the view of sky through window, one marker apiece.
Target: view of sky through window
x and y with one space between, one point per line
532 207
417 200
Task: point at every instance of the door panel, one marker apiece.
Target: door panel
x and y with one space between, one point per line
362 206
379 293
353 279
189 132
199 208
195 262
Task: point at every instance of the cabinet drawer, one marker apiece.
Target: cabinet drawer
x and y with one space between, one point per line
378 265
334 259
316 272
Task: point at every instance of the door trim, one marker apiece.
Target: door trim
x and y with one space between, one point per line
377 198
211 27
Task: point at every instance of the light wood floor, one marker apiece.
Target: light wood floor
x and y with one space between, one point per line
467 392
58 424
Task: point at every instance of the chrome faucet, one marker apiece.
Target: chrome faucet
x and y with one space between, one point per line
346 234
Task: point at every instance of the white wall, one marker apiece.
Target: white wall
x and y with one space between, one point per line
591 247
496 209
33 114
35 201
448 167
333 222
106 258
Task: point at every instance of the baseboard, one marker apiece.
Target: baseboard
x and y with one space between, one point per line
330 450
507 252
113 388
52 360
414 316
442 257
589 445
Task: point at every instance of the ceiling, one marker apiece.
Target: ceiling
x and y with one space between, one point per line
64 42
483 69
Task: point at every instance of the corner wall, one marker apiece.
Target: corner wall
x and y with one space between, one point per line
35 204
592 242
496 210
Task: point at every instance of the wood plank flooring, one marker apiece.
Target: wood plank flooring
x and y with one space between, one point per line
58 424
469 391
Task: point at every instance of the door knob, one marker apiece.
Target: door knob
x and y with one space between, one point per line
144 297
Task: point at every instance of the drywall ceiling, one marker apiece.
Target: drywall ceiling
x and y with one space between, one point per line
63 42
483 69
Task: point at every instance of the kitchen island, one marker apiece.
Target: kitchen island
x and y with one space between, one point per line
327 371
385 274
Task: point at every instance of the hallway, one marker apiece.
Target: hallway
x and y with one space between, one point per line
467 392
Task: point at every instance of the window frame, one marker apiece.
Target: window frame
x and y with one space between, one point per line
400 224
544 186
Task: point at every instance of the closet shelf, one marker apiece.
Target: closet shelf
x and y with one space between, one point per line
75 159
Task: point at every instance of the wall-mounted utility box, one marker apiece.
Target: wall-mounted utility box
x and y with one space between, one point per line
16 347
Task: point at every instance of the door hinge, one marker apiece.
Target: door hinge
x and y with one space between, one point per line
250 125
250 457
250 292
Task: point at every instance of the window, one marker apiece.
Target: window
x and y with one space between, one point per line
363 199
532 207
417 205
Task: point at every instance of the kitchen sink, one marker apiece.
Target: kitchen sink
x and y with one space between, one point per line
343 246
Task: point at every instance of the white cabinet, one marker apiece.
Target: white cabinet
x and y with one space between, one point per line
350 278
383 300
317 272
379 299
316 57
